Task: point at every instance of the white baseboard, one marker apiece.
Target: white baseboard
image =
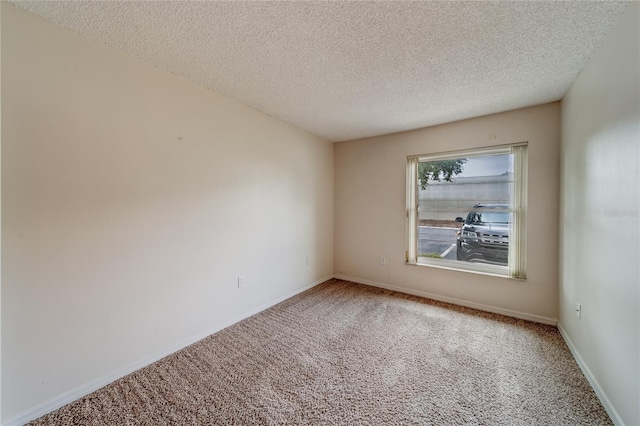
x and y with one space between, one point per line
455 301
83 390
613 414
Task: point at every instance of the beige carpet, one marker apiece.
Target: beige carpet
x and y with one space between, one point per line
344 353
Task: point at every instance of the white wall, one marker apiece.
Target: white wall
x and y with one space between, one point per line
132 200
599 224
370 212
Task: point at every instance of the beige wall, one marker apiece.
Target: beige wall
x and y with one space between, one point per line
132 200
370 212
600 224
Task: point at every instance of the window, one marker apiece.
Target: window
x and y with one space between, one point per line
467 210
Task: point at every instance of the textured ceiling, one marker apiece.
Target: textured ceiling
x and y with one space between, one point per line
346 70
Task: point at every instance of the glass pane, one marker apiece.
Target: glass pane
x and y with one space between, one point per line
464 209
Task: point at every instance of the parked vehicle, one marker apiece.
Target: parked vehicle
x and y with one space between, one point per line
484 234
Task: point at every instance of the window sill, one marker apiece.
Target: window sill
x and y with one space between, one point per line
490 271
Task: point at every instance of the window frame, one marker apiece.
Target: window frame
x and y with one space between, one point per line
516 264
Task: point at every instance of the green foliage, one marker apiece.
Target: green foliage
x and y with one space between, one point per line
432 255
438 170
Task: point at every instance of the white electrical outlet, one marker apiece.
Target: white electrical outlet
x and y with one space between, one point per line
383 260
307 261
578 310
241 281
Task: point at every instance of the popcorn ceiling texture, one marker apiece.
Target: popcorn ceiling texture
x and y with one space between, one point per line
346 70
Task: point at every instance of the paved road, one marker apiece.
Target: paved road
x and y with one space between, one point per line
437 240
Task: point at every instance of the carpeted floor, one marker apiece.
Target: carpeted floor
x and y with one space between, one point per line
347 354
